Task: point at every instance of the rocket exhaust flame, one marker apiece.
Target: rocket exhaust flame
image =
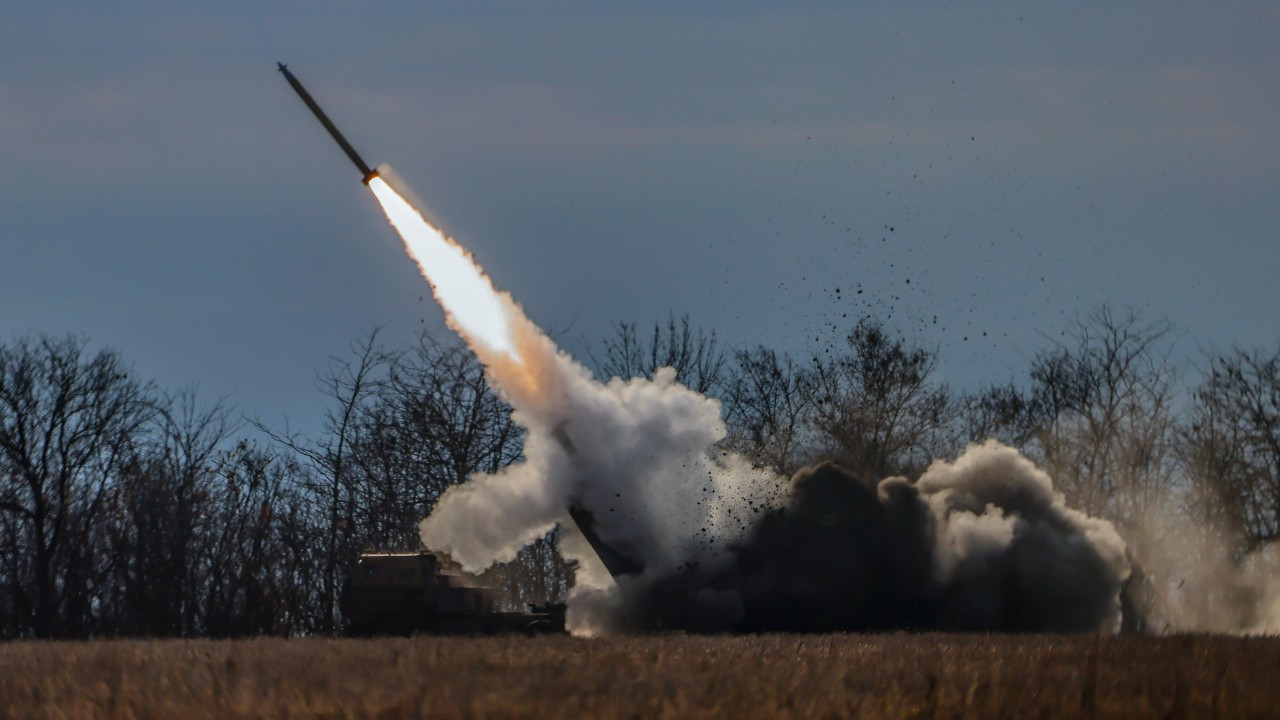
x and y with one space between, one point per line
466 293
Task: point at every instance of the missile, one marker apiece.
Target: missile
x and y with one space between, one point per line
365 172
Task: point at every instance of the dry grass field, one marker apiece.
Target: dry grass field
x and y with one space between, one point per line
673 676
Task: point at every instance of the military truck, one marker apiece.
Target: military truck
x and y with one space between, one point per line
403 593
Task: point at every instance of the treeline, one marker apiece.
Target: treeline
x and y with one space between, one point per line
128 509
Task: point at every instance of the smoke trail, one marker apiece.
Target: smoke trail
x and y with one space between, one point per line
983 543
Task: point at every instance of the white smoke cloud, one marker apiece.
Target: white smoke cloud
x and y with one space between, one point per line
639 457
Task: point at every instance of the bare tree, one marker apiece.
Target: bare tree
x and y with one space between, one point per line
1003 412
1231 445
258 563
353 386
159 520
768 403
694 353
877 406
1105 428
69 421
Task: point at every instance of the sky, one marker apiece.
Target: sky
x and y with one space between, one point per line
975 177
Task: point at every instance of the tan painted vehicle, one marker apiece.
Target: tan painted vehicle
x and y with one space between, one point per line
402 593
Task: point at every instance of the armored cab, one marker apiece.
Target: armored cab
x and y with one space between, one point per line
402 593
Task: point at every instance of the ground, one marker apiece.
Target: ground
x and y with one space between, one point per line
674 676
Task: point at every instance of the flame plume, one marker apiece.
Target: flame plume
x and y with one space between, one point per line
474 307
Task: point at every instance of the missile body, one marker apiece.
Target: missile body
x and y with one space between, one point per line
365 172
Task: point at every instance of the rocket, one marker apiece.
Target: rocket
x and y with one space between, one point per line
366 173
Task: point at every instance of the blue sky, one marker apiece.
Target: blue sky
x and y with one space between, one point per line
982 175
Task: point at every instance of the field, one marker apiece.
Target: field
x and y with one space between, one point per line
674 676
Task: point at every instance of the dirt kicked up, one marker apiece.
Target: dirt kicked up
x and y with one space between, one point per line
673 676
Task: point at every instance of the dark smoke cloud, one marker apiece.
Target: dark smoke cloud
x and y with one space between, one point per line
981 544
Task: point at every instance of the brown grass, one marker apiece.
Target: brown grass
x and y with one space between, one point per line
674 676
